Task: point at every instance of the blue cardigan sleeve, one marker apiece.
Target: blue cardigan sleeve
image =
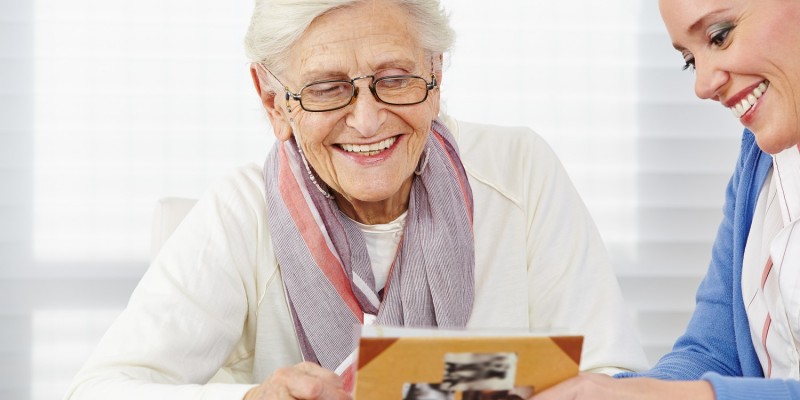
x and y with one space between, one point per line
748 388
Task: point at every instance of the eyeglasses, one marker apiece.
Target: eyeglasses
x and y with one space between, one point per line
329 95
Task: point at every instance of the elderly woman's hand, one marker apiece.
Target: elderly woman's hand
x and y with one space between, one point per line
306 381
588 386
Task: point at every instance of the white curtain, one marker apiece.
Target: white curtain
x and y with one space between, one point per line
105 106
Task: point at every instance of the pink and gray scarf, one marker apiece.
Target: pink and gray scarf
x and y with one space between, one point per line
326 269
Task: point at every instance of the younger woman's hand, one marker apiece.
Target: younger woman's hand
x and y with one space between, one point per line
588 386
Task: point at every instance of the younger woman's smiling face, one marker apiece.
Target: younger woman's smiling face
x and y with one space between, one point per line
746 55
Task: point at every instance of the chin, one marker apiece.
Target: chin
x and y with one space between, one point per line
372 194
774 144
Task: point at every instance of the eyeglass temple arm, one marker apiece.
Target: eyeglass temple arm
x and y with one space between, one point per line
289 94
433 84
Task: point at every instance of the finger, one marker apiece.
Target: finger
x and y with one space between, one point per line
315 389
302 384
282 393
583 387
269 391
525 392
317 371
303 381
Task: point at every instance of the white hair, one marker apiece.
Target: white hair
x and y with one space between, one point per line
277 24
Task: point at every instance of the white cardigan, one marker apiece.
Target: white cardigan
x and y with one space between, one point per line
213 297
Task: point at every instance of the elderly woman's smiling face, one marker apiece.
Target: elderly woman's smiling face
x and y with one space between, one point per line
368 38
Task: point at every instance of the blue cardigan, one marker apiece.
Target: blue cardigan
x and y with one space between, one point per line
717 346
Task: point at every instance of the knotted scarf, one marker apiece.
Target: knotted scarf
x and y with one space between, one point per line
326 269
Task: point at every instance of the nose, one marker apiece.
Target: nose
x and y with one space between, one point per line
367 114
709 79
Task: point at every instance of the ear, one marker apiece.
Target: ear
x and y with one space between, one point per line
272 103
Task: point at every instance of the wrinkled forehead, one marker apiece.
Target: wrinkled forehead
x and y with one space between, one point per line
356 40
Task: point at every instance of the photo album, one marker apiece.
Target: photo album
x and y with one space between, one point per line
428 364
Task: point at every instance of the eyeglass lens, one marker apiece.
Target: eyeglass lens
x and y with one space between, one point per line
400 90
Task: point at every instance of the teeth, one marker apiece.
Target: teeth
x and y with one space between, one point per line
369 149
743 106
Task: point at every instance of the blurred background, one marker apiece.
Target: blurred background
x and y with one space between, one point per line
108 105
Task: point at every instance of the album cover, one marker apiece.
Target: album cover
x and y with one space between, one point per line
419 364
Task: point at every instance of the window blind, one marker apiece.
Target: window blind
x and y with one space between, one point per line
602 84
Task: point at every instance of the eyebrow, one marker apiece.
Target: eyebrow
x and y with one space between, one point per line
323 74
697 24
408 65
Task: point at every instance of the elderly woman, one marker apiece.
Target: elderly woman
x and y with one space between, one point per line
743 341
368 209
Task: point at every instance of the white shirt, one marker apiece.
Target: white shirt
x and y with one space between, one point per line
213 297
382 242
771 270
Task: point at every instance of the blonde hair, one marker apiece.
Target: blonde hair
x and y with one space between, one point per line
277 24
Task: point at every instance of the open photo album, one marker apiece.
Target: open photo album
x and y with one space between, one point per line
426 364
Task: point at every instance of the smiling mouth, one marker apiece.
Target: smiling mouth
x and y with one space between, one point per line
369 149
747 103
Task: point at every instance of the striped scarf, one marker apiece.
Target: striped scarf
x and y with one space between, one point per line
326 269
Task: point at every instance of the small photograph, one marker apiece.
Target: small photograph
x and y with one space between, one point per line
492 395
426 391
479 371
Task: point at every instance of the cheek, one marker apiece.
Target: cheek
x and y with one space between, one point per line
424 116
312 129
435 104
778 32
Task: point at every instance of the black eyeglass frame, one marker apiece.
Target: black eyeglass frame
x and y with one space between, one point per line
433 84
